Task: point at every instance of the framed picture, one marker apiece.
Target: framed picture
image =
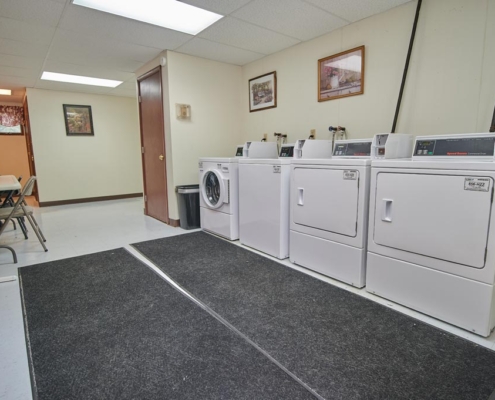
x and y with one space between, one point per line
78 120
263 92
341 75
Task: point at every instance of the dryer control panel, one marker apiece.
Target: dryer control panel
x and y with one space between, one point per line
260 150
463 146
360 148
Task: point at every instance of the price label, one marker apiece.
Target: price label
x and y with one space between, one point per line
477 184
276 169
350 175
200 164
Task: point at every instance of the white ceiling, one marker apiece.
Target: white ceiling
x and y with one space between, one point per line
57 36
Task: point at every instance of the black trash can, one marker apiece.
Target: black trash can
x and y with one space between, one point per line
188 201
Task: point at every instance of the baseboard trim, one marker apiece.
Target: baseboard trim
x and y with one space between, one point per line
89 200
174 222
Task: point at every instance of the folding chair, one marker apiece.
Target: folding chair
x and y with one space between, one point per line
20 210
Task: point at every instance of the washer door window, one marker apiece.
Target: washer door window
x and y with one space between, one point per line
213 189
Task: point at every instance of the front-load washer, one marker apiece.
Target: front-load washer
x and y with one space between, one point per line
431 245
264 196
219 195
329 206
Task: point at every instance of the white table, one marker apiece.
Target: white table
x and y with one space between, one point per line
7 184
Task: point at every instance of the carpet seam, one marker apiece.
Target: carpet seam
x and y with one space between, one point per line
220 319
34 386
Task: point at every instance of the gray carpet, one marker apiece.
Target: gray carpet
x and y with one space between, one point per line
340 344
105 326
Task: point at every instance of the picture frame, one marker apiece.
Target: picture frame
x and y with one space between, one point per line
78 120
341 75
263 92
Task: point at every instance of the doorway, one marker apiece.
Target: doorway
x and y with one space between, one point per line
150 96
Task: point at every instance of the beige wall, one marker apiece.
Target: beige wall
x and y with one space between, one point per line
213 90
13 156
450 88
106 164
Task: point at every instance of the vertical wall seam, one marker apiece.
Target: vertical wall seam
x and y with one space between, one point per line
482 68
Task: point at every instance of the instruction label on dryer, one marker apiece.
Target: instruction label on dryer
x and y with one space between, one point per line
350 175
477 184
276 169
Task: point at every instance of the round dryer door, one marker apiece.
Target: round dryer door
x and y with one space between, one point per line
213 189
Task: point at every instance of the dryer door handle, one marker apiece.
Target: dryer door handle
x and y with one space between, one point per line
300 196
387 210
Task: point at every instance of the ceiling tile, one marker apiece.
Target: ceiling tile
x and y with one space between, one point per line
104 25
25 31
237 33
219 52
19 72
42 12
85 70
16 48
120 64
13 82
354 10
223 7
293 18
8 60
93 45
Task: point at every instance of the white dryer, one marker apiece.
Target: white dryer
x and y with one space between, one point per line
431 245
219 195
329 206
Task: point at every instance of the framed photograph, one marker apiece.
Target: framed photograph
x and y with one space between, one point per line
341 75
78 120
263 92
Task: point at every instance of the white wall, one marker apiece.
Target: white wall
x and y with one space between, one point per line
69 167
213 90
450 87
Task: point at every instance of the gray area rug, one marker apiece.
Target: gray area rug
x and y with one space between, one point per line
105 326
340 344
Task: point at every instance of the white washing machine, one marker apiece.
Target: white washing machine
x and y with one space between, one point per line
329 206
219 195
431 245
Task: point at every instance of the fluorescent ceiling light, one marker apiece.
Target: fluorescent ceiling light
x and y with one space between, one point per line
82 80
5 92
170 14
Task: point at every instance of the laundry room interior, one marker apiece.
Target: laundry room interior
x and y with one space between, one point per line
292 200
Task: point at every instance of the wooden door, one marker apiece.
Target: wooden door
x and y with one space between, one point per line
29 146
153 144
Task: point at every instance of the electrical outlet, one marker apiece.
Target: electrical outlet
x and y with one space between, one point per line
265 136
312 132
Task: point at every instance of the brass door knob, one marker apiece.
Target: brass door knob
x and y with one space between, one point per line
161 157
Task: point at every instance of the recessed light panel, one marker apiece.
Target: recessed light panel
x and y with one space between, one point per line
5 92
169 14
82 80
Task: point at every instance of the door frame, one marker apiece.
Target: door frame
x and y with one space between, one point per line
162 126
29 147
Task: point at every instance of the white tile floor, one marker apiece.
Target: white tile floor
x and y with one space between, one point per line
92 227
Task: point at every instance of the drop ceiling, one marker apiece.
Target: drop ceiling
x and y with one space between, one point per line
57 36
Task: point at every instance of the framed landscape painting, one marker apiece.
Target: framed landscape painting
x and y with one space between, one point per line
263 92
341 75
78 120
